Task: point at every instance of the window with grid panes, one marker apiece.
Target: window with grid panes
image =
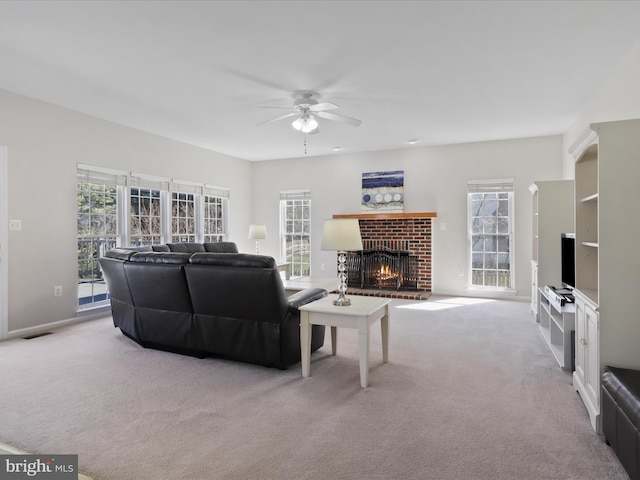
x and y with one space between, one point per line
295 227
490 229
215 207
145 216
99 196
183 217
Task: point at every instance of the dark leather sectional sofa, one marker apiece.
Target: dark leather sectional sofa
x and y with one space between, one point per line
191 299
621 416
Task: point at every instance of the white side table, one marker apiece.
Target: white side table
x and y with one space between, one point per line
362 312
300 283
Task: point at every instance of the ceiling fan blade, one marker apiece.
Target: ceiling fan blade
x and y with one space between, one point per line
278 118
340 118
284 108
321 107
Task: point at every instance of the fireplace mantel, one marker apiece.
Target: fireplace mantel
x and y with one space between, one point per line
386 216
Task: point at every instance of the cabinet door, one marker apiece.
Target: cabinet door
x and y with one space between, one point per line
581 341
592 355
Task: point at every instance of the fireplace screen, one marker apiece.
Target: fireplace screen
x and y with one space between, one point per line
383 269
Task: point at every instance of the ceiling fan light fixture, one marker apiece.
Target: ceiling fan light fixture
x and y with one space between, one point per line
305 123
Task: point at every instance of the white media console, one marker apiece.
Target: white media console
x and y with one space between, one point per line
557 324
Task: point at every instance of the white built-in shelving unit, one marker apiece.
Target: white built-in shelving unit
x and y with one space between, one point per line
607 326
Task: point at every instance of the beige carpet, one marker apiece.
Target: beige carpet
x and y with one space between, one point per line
471 392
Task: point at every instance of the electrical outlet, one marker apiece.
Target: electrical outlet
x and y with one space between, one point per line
57 291
461 273
443 226
323 266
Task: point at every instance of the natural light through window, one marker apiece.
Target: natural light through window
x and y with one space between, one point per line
445 303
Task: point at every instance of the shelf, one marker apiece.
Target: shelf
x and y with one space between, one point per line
590 198
558 352
545 333
591 296
557 323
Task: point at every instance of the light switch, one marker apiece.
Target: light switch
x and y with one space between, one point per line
15 225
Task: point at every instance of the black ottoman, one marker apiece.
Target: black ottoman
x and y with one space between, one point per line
621 416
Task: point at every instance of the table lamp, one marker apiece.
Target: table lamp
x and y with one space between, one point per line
342 235
257 233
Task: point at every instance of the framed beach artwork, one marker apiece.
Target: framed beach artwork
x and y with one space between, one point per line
383 192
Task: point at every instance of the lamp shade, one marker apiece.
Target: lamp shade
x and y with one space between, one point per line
305 124
257 232
341 234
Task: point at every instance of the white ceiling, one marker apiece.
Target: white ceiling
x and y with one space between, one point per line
199 72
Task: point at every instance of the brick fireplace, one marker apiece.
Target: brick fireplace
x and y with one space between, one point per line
406 232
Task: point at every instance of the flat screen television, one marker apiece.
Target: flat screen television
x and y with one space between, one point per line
568 256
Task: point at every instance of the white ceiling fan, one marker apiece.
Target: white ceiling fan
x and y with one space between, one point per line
307 108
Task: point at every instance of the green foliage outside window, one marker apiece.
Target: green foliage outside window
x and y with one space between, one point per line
97 233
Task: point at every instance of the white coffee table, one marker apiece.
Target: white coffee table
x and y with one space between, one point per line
362 312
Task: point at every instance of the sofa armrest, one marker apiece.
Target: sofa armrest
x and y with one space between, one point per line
305 296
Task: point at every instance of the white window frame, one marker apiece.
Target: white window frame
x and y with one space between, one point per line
503 186
297 267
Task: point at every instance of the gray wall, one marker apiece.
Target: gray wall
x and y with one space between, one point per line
435 181
617 99
45 143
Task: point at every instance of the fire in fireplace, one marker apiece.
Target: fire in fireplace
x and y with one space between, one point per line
382 269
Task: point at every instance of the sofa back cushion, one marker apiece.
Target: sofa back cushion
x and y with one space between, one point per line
157 280
236 285
221 247
112 266
186 247
119 253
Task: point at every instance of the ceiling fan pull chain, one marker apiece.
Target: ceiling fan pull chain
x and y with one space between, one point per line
305 143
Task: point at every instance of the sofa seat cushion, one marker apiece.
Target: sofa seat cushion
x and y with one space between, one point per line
624 387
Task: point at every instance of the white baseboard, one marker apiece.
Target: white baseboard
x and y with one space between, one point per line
25 332
484 293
